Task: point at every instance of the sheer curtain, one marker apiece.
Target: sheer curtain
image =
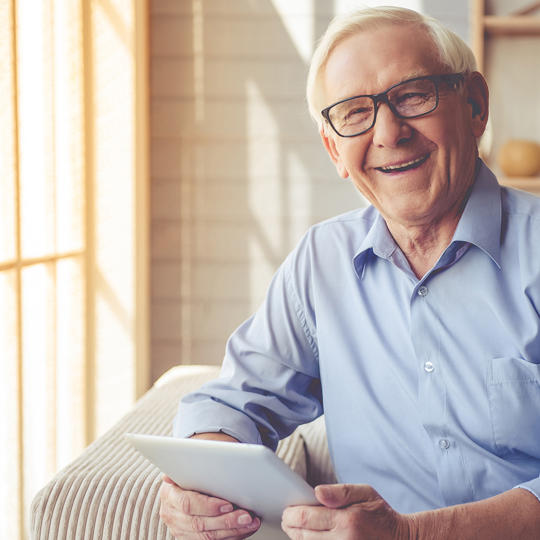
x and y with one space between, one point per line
73 233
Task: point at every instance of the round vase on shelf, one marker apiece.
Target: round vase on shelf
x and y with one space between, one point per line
519 157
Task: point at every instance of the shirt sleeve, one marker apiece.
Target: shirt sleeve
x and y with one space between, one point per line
269 381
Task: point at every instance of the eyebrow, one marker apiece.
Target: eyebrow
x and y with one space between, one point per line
412 75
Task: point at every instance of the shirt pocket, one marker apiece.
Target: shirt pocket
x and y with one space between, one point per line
514 399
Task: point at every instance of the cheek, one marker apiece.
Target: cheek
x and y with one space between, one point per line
458 146
350 159
354 153
455 131
366 185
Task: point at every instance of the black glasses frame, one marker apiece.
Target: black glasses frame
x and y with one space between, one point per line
382 97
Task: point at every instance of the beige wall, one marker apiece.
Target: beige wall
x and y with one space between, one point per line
238 171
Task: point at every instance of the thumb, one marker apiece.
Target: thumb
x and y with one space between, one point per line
168 480
340 495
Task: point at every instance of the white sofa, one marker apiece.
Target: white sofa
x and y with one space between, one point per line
110 492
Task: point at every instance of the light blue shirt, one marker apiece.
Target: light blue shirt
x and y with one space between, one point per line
431 387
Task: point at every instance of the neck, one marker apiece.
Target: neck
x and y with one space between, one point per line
423 242
423 245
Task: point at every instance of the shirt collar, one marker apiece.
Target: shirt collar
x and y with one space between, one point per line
480 224
378 241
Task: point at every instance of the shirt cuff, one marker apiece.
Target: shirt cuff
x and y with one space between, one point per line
533 486
212 417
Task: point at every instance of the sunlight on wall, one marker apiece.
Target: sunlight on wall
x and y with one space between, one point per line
34 97
39 373
198 59
70 387
300 188
114 219
263 188
10 487
68 128
297 18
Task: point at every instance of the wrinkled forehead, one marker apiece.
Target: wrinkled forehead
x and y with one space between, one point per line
372 60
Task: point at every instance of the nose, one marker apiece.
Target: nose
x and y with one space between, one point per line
390 131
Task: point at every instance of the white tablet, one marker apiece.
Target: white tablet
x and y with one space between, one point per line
248 475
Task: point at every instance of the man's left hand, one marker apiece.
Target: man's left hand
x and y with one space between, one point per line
348 512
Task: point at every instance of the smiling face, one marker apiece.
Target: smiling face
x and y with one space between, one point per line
416 172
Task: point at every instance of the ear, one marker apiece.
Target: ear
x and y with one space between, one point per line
331 148
478 100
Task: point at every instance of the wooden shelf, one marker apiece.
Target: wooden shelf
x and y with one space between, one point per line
531 184
485 26
512 26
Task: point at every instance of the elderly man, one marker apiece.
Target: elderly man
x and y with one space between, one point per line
412 324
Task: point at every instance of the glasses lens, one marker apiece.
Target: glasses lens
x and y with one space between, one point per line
414 98
352 116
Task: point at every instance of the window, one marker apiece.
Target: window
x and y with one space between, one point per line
73 229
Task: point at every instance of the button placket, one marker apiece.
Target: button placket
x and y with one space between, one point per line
451 469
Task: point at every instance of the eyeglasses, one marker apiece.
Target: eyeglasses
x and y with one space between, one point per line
408 99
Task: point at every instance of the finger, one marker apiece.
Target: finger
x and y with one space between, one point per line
193 503
315 518
228 526
305 534
236 534
168 480
233 522
341 495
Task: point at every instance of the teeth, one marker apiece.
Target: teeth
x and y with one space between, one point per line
402 165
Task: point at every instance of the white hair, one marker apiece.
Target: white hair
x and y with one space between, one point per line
454 54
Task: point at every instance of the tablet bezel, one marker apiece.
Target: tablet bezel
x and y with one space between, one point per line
248 475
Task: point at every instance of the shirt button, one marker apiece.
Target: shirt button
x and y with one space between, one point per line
444 444
428 366
422 291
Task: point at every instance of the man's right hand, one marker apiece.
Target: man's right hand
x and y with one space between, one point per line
189 514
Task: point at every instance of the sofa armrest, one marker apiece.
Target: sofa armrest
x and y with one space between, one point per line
110 492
